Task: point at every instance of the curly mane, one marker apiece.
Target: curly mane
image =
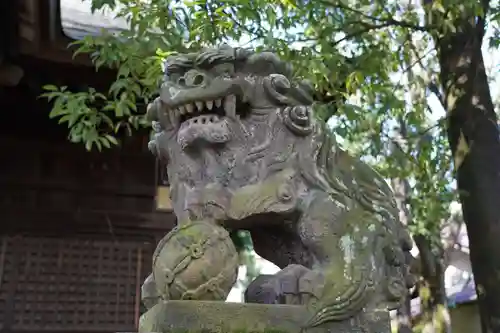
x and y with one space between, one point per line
343 176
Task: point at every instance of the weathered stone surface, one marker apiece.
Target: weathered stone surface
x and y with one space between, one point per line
202 316
244 150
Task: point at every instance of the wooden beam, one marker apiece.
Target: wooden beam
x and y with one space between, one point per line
63 221
27 184
29 22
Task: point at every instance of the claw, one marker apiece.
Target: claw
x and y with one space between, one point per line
295 284
262 290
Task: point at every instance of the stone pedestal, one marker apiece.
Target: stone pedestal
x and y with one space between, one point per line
207 317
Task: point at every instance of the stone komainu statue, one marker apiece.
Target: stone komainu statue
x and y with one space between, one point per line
244 151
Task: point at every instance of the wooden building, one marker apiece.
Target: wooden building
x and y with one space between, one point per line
77 229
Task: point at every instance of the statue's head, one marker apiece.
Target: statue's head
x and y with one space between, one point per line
227 118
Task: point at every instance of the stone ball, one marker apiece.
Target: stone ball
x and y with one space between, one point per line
195 261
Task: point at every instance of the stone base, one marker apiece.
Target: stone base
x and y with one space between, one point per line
220 317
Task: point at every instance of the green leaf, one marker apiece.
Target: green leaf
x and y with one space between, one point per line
104 142
50 87
124 71
88 145
98 145
65 119
111 139
120 109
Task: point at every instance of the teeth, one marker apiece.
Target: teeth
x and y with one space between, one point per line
156 126
230 106
228 103
199 105
173 116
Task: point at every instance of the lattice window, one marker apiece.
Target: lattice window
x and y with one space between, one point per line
71 284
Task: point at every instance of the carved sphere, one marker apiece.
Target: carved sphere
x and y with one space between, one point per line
195 261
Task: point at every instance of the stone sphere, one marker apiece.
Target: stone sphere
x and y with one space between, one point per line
196 261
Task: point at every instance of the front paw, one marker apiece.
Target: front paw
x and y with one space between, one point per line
295 284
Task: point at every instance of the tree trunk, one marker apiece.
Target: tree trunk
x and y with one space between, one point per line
473 132
435 315
401 192
404 317
400 187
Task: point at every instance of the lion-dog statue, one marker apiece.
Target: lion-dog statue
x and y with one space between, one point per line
243 150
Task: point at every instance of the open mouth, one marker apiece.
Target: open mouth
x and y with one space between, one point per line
207 111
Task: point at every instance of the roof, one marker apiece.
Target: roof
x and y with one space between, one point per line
78 20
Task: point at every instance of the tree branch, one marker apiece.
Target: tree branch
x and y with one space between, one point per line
386 21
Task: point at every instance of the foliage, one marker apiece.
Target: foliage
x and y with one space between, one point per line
360 49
